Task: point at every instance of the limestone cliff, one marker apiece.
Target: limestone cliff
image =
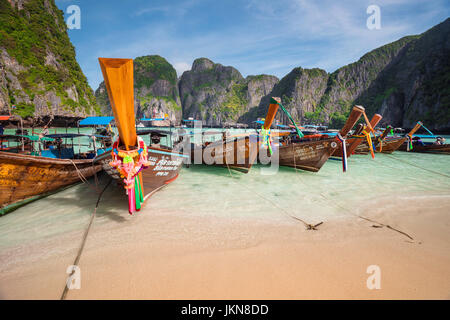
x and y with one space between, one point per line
155 90
39 75
416 84
217 94
405 81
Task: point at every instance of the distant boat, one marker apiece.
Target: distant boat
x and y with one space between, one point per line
238 152
427 147
310 152
415 144
388 144
355 142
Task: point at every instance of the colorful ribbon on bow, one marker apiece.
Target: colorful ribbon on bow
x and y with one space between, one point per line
409 145
129 163
267 140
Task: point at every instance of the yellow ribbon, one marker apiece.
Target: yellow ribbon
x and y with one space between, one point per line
369 142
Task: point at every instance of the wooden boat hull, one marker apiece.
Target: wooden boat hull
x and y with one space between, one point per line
362 148
26 176
348 143
428 148
164 168
238 154
308 155
388 146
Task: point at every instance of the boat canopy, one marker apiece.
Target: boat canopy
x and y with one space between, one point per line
329 133
424 136
152 119
66 135
96 121
31 138
154 132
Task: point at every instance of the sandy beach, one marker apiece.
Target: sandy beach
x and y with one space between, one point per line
176 256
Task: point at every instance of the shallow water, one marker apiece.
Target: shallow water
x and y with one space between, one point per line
213 191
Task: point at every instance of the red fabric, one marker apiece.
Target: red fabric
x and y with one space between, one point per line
4 118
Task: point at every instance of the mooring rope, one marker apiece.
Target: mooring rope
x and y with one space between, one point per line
335 204
420 167
307 225
83 241
83 178
80 175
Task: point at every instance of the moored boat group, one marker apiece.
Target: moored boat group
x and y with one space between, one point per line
32 166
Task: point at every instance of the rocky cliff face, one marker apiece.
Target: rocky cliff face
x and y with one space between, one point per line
39 75
300 92
405 81
155 90
313 95
217 94
416 84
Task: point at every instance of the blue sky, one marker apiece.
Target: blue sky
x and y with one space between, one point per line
255 36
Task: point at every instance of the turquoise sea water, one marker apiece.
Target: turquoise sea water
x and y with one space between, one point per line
212 191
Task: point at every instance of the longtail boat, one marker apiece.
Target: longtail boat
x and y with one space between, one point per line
427 147
355 141
417 145
28 173
311 152
237 152
141 169
24 176
388 144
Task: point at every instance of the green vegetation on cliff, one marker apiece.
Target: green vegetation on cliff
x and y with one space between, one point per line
34 36
171 103
150 68
236 99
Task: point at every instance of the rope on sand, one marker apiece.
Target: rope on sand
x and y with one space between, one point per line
83 242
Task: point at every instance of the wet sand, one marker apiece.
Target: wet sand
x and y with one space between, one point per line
173 255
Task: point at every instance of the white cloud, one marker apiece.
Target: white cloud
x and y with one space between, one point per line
181 67
274 37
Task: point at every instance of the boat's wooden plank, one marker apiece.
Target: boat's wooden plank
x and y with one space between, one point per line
24 176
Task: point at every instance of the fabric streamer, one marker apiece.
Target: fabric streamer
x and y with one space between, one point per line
131 200
381 145
137 193
367 134
344 152
370 143
409 145
299 133
129 163
267 141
